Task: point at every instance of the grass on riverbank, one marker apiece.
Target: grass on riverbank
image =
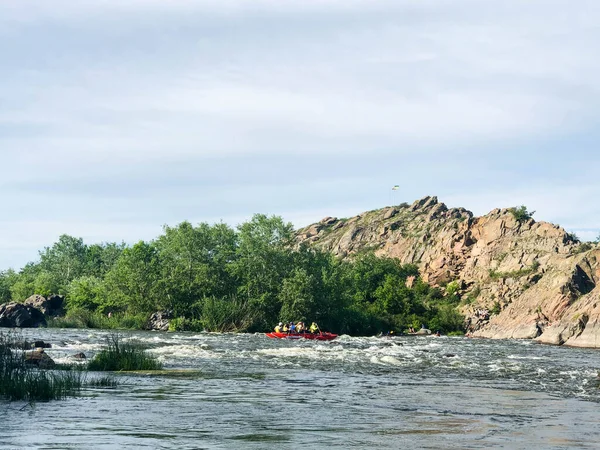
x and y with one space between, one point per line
123 356
82 318
21 381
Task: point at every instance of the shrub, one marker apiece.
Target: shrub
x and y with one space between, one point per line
82 318
123 356
496 308
495 275
521 214
584 247
472 296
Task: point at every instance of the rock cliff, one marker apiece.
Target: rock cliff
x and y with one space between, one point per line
519 278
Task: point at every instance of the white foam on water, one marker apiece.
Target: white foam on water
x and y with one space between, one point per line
573 374
79 346
68 360
184 351
391 360
151 340
294 352
525 357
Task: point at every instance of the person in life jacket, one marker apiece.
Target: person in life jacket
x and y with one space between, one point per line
278 327
292 327
300 327
314 328
284 328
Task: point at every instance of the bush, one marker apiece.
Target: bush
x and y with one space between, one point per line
183 324
123 356
82 318
521 214
496 308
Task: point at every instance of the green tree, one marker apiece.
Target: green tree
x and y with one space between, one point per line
65 260
134 282
7 279
100 258
393 296
446 319
298 297
87 292
263 260
23 285
521 214
45 284
193 263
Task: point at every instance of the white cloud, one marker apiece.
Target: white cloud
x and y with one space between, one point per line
162 111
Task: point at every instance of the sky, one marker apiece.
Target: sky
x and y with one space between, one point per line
118 117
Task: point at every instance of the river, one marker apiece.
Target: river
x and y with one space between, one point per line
229 391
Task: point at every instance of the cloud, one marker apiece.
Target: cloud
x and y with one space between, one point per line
127 115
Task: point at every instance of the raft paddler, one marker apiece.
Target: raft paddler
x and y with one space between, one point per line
314 328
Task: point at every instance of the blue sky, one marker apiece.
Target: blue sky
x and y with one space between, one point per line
118 117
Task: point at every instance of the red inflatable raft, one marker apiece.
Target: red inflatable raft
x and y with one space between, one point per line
323 336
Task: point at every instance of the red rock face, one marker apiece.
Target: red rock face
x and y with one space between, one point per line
542 279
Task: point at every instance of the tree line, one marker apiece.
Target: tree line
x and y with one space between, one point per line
218 278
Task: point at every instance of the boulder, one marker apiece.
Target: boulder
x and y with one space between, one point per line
40 359
391 212
50 306
79 356
17 315
41 344
159 321
328 220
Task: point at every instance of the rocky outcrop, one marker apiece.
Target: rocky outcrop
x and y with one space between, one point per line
159 321
533 279
52 305
18 315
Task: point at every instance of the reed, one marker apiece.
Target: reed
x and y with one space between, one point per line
104 381
123 356
20 381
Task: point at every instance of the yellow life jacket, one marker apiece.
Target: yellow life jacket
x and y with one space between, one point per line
277 329
285 329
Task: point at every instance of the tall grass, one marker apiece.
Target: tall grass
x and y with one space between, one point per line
82 318
123 356
225 315
20 381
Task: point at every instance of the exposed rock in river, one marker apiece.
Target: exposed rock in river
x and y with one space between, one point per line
50 306
160 320
543 281
18 315
40 359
